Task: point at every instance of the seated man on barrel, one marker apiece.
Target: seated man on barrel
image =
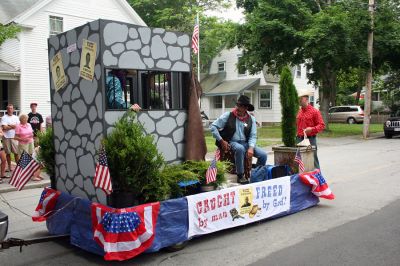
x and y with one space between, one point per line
237 130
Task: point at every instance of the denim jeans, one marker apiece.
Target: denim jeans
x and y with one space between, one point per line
240 150
313 141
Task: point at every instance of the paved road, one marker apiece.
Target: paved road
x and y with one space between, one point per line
371 240
364 176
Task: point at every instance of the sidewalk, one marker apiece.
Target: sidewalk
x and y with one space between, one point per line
6 187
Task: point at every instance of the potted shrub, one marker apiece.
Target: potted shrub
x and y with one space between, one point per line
46 154
284 155
177 173
134 162
200 169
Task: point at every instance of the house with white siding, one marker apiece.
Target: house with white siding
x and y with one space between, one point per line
24 69
226 81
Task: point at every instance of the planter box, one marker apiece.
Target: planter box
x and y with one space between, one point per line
285 156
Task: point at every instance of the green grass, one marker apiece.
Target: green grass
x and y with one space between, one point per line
342 130
269 132
210 142
270 135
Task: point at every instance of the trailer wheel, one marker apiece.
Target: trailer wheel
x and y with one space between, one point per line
177 247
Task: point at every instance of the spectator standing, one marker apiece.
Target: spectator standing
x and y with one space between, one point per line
35 120
48 121
3 159
309 120
24 135
8 123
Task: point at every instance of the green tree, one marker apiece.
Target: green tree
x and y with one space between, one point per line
349 82
389 86
290 106
329 36
8 32
180 16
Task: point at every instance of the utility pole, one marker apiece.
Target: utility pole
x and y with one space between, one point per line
368 92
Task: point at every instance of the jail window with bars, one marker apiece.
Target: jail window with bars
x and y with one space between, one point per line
152 90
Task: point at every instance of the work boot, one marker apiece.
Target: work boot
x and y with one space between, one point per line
241 179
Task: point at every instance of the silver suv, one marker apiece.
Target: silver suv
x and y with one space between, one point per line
349 114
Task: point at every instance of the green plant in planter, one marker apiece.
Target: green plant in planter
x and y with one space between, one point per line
200 169
46 154
134 160
174 174
290 107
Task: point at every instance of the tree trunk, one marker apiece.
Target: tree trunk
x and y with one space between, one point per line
327 96
362 77
324 105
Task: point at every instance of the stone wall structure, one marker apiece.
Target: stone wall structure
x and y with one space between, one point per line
80 119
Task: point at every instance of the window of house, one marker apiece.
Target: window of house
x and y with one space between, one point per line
152 90
265 98
298 71
375 96
230 101
311 100
217 101
221 67
56 25
240 67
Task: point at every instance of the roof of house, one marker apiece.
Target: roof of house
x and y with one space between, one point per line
211 81
10 9
17 11
233 87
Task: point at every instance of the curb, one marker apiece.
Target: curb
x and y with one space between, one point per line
9 188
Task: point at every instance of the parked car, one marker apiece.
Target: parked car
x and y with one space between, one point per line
3 226
346 114
392 126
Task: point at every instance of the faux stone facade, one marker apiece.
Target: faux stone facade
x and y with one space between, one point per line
167 127
80 120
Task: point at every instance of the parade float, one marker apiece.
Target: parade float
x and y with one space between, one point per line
153 67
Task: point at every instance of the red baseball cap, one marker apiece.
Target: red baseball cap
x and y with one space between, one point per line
33 103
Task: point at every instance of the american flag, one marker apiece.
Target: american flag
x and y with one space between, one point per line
25 169
211 174
195 38
102 178
318 183
124 233
46 204
299 160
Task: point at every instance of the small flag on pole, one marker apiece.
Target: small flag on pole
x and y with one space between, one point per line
102 178
299 161
195 37
211 174
25 169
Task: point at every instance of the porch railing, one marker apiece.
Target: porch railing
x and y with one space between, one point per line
3 112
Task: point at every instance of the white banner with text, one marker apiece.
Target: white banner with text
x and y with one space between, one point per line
217 210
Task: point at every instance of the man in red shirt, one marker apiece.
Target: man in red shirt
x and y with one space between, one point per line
309 120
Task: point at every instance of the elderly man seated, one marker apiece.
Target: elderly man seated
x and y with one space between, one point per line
237 130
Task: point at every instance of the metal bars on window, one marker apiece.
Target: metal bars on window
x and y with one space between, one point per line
152 90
